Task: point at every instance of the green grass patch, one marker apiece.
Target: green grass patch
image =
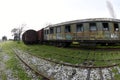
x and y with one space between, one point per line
70 56
13 63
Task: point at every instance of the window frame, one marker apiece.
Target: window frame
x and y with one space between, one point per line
67 28
92 27
58 29
79 28
105 28
51 30
116 28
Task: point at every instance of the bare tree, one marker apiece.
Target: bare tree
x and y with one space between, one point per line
17 32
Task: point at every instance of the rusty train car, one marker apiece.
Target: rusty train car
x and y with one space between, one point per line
83 32
30 37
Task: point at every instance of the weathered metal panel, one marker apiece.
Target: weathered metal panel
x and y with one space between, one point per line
80 36
115 36
100 35
47 37
74 36
69 36
54 30
62 29
86 31
59 36
63 36
86 35
119 26
93 35
111 27
86 26
118 32
107 35
99 26
40 35
73 28
52 37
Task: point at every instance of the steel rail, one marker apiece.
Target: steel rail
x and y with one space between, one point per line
36 72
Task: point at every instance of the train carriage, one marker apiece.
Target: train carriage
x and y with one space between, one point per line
86 31
40 36
30 37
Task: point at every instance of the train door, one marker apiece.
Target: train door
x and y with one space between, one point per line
93 31
58 33
51 35
115 34
68 35
99 35
79 31
106 31
86 35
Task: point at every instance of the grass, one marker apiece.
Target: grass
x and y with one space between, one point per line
13 63
70 56
101 58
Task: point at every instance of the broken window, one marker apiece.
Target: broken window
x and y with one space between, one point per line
105 26
93 27
116 28
79 28
51 30
58 29
67 28
47 31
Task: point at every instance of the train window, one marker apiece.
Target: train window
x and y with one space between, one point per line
79 28
58 29
67 28
47 31
93 27
51 30
116 28
105 26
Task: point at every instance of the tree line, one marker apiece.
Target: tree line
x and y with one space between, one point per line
16 33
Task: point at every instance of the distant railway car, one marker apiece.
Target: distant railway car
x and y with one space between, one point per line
40 35
85 32
30 37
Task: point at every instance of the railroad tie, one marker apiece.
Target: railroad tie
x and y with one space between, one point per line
88 75
101 76
112 78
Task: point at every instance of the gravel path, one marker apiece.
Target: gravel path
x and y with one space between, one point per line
61 72
3 70
8 74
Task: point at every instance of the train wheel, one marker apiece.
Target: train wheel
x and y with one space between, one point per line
66 44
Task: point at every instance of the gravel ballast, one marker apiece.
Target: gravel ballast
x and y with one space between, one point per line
62 72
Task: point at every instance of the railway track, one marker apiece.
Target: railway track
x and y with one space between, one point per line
78 66
93 48
85 61
60 70
31 68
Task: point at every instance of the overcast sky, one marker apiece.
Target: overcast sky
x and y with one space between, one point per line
36 14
